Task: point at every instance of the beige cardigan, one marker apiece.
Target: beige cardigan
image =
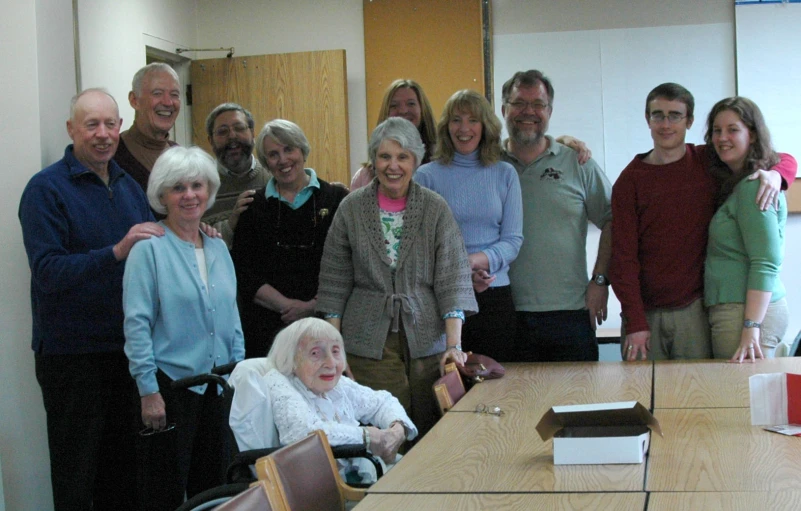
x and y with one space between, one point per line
432 276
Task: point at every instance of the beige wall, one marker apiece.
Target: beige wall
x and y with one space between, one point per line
22 442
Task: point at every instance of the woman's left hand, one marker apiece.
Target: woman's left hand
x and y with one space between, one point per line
770 185
453 354
749 346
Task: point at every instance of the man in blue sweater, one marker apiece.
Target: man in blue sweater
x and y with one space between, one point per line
80 217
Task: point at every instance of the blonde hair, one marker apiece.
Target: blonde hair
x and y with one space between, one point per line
427 128
477 105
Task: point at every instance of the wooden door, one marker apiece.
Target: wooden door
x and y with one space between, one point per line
307 88
444 45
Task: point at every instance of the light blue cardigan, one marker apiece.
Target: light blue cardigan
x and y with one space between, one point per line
171 322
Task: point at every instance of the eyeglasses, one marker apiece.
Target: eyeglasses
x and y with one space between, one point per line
672 117
537 106
489 410
224 131
150 431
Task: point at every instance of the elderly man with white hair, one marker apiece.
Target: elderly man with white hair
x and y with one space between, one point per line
156 97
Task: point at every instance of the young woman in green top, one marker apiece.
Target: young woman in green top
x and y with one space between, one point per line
748 314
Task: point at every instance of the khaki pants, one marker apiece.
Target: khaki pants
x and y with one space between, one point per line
681 333
726 320
409 379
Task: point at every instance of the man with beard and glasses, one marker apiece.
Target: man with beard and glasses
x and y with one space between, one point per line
230 130
156 98
558 307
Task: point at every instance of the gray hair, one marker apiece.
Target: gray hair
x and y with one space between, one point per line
155 67
78 96
283 354
401 131
181 164
227 107
284 132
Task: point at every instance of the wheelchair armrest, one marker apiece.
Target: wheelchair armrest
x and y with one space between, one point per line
358 451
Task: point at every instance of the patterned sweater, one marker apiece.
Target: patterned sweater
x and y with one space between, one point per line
432 276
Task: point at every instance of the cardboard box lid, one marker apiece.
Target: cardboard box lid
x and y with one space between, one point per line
599 415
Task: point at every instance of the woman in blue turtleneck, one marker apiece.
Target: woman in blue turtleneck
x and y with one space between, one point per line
484 195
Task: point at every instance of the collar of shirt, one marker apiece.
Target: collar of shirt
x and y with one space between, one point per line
250 173
554 148
301 197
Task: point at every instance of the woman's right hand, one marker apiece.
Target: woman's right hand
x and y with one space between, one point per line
154 413
749 347
385 443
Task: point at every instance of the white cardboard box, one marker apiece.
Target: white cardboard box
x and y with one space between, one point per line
597 434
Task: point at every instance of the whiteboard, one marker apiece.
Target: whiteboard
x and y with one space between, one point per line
769 67
602 77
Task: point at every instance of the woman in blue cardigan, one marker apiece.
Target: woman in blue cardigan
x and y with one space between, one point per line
181 319
484 196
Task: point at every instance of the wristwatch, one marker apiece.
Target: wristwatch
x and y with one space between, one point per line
600 279
751 324
457 347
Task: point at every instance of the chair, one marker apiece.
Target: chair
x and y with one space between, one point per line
449 389
789 350
306 476
259 497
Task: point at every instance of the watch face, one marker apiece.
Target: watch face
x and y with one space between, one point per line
601 280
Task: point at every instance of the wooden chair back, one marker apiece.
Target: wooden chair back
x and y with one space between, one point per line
449 389
306 476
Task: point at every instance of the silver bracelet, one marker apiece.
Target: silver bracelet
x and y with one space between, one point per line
366 440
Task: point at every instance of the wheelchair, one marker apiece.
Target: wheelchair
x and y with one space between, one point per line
252 427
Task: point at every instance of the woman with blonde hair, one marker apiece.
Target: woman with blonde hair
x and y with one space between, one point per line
484 196
404 98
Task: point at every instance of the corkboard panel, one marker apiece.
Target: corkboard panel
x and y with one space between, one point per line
307 88
438 43
794 197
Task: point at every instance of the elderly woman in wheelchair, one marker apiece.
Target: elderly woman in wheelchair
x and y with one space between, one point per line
300 388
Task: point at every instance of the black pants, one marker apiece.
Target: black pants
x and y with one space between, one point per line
188 459
556 336
493 330
91 403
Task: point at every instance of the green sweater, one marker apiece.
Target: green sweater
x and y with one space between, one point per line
746 248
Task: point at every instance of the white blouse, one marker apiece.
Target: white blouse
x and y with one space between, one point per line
297 411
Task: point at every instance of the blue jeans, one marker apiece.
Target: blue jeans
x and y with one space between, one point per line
555 336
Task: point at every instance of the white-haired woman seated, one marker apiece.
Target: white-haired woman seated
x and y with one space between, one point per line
309 392
181 319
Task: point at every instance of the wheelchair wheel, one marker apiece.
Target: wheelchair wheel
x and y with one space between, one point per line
213 497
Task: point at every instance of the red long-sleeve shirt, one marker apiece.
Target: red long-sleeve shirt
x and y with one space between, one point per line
660 222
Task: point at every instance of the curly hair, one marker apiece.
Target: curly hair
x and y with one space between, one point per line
761 154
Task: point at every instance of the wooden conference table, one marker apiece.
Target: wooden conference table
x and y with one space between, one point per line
479 461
